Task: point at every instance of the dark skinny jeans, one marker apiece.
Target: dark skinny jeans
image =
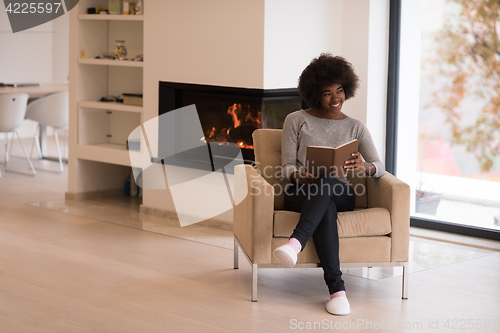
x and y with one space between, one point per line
318 204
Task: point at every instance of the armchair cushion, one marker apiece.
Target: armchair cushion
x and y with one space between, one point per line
362 222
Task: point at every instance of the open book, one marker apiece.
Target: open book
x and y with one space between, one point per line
321 159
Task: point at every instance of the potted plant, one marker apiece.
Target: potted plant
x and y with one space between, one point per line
426 201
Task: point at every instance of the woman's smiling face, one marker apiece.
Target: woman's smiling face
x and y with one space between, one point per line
332 98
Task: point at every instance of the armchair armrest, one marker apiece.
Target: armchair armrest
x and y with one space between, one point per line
253 216
393 194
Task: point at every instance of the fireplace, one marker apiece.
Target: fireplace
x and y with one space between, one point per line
230 114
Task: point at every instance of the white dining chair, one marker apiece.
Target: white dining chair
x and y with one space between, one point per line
12 113
53 111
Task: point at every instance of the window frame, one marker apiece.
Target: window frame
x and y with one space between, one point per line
392 131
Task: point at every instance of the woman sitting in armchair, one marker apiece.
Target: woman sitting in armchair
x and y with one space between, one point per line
325 84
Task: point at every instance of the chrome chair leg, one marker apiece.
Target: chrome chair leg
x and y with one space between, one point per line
6 155
65 141
6 147
25 153
405 279
58 151
6 137
236 254
254 282
37 142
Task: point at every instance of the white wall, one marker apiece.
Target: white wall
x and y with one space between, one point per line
296 31
378 58
204 42
39 54
365 38
27 55
60 49
355 39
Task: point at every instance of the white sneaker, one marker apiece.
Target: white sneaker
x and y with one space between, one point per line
286 255
338 306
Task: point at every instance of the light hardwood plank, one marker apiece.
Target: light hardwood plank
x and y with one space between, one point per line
40 321
20 303
8 325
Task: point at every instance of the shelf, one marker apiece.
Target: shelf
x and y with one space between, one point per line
111 17
106 153
110 106
103 128
106 62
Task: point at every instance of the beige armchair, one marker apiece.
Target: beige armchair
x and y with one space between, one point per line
375 234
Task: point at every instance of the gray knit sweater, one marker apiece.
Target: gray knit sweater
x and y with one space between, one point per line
302 129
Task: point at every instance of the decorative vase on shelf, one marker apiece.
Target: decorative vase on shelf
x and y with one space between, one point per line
120 50
115 7
139 10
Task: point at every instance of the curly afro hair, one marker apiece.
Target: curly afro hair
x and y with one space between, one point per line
324 71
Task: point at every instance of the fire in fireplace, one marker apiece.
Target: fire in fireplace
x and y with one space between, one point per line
245 119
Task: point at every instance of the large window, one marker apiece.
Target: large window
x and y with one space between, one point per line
449 110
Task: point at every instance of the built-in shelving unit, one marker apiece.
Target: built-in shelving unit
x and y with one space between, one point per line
105 153
110 106
95 17
99 159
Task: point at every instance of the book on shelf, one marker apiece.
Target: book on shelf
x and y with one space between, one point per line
322 159
132 99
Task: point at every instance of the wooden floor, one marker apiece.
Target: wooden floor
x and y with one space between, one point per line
64 273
